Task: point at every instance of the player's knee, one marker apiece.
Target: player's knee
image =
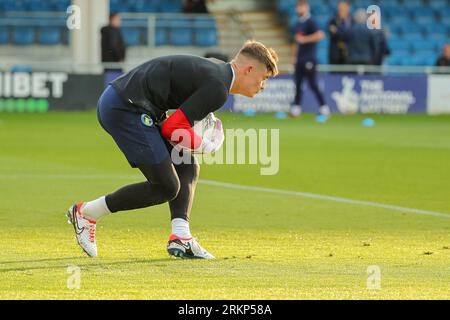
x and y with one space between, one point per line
172 188
195 172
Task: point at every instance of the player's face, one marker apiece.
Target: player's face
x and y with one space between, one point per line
255 80
302 9
343 10
447 50
116 21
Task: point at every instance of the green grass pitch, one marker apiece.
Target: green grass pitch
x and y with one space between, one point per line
268 245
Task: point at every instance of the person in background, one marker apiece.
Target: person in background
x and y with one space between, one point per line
307 34
195 6
337 27
113 46
444 59
383 48
363 45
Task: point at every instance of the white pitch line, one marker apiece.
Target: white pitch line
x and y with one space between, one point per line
326 198
238 187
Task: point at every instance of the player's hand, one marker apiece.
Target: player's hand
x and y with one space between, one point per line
212 137
212 145
333 28
300 38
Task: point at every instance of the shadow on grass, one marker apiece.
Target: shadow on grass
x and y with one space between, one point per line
82 262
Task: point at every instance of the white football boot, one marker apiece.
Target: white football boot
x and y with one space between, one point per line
295 111
325 110
84 230
187 248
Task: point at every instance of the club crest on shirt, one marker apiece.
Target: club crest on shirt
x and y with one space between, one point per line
146 120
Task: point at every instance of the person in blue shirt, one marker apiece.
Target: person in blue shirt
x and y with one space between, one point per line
307 34
337 27
363 43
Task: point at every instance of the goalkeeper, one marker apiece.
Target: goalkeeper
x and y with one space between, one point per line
133 108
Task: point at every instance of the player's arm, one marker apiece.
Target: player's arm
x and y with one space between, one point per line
315 37
178 127
178 130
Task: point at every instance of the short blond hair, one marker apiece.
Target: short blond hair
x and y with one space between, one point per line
258 51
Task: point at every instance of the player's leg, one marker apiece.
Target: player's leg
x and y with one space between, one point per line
162 185
181 243
298 78
143 146
180 207
311 75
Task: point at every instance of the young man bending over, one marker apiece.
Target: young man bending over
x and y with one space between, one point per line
133 109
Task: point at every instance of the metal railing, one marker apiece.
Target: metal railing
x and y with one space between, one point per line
355 69
372 69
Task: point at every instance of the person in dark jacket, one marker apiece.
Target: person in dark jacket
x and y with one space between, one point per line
195 6
383 48
444 60
337 27
113 45
363 44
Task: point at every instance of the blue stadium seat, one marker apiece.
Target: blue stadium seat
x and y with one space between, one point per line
423 45
430 60
36 5
414 3
119 6
4 35
131 36
319 9
435 28
409 28
49 36
438 4
21 68
413 61
445 20
413 36
323 44
322 56
206 37
23 35
392 11
181 32
420 11
161 37
439 43
171 6
394 36
12 5
444 14
362 4
401 52
426 53
425 20
394 59
162 32
205 32
60 5
146 6
322 21
399 45
285 6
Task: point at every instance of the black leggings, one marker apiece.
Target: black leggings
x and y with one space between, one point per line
307 70
165 182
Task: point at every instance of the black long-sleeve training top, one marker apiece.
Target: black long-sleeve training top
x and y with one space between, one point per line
196 85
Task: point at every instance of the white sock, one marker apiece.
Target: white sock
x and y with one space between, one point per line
180 228
95 209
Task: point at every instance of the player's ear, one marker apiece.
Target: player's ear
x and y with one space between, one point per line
248 69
